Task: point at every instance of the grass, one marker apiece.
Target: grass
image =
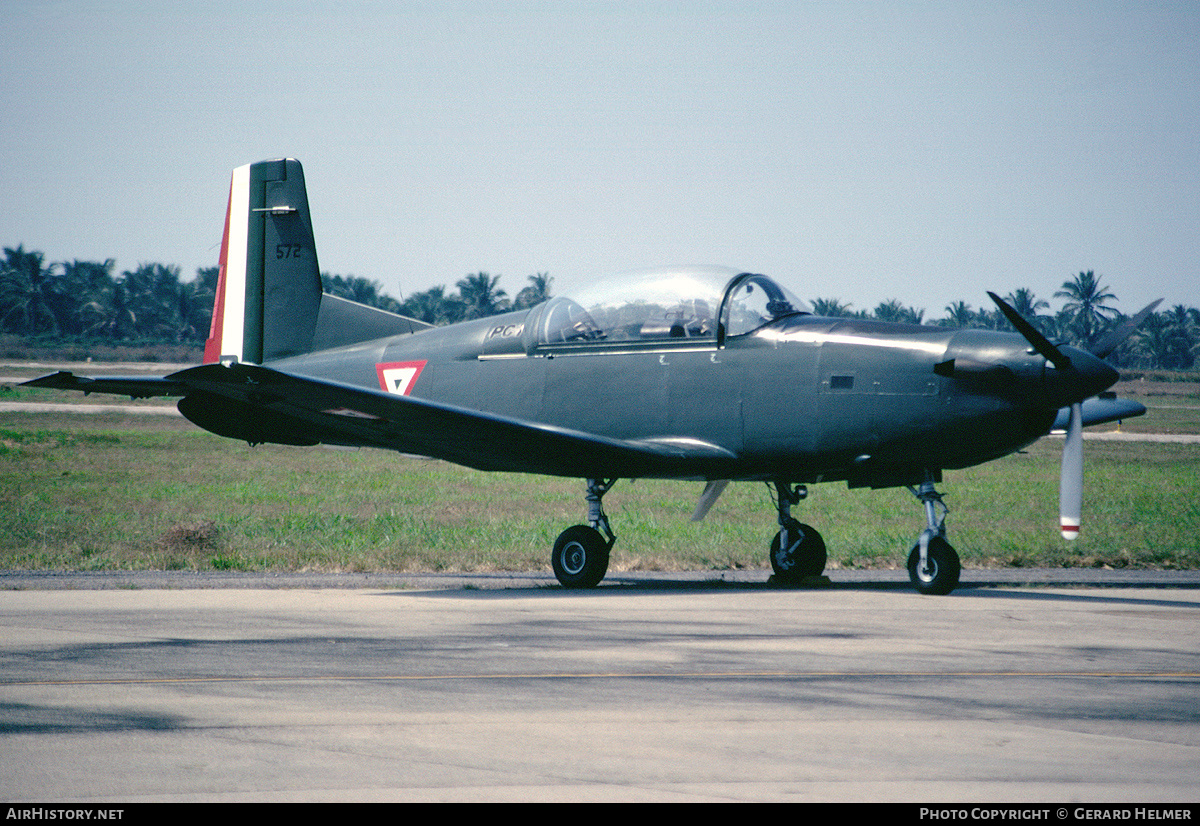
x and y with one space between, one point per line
1173 406
104 492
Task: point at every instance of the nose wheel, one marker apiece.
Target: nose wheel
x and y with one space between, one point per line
933 565
939 573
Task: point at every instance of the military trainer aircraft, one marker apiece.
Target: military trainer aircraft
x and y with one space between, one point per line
711 375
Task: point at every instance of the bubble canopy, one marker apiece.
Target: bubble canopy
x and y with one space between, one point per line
699 305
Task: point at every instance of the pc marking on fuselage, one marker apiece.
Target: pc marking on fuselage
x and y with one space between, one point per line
399 376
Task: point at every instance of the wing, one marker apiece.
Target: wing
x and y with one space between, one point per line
259 404
1100 409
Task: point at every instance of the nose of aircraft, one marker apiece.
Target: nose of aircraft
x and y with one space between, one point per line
1086 376
1076 374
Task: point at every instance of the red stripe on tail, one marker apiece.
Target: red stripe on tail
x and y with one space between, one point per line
212 347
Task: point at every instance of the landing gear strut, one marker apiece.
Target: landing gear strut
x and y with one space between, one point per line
933 565
580 555
797 551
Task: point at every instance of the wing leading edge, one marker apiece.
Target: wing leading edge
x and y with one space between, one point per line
259 404
1106 407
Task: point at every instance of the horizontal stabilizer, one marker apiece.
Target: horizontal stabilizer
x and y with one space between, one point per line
136 387
341 322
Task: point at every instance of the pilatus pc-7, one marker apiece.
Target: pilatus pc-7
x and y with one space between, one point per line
695 374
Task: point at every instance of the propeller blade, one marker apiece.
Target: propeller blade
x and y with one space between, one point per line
712 492
1070 489
1040 343
1112 340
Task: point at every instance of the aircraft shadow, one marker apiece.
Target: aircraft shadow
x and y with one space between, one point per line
975 588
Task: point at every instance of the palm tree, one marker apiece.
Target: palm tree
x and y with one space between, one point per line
109 314
959 314
433 306
82 284
1027 304
1087 305
1178 339
893 310
27 292
356 288
537 291
482 297
992 319
196 304
152 294
830 308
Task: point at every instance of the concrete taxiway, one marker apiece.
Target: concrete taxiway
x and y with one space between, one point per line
654 688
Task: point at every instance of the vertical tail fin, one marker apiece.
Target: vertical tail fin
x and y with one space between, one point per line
269 287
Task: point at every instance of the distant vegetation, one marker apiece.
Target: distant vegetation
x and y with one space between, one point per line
77 302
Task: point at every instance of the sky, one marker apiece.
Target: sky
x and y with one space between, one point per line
866 151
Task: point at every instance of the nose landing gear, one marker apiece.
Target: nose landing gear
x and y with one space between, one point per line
933 565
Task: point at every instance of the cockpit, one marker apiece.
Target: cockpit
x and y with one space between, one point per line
702 306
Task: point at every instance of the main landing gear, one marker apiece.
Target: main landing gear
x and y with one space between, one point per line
580 555
933 564
797 551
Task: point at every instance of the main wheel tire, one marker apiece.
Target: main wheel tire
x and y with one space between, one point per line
800 561
941 575
580 557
